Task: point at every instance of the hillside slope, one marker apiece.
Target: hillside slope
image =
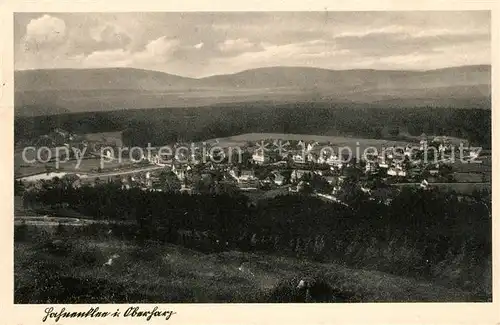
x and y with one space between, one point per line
171 273
46 92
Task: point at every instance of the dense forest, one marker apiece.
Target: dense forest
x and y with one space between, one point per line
165 125
421 233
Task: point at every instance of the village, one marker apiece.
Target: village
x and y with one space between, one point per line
286 167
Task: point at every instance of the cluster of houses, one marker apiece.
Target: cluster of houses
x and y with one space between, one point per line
295 168
423 163
408 161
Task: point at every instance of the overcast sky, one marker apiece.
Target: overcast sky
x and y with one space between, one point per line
202 44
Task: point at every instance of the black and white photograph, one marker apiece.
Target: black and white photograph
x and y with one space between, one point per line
252 157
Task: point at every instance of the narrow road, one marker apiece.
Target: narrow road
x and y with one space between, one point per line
55 221
437 184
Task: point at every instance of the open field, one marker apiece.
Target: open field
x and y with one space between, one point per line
105 137
461 188
44 216
472 177
19 209
483 167
90 165
352 142
260 195
105 176
168 273
29 162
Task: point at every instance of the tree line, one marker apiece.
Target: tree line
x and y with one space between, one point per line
167 125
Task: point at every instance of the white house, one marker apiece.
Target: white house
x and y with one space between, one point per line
299 187
396 171
424 184
408 151
423 144
186 189
336 190
311 157
299 159
370 167
247 176
232 172
108 154
159 160
331 160
310 146
278 179
383 164
179 172
392 172
441 139
259 157
298 173
365 190
474 154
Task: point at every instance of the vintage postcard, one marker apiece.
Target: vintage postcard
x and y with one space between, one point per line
261 163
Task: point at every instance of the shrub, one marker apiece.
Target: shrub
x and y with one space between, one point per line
21 232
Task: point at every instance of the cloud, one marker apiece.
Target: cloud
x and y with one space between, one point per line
380 51
409 31
42 33
45 29
237 45
447 56
233 42
292 54
391 42
114 58
157 51
110 35
161 46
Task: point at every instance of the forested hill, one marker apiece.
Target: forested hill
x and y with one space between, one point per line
42 92
165 125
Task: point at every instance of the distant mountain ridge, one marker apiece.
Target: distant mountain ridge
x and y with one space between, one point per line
89 79
306 77
41 92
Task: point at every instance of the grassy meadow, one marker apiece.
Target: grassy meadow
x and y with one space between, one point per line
65 267
89 165
339 141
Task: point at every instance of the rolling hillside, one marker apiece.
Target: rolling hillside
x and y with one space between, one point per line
360 80
91 79
46 92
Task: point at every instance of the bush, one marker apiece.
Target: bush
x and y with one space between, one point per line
21 232
316 289
55 247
